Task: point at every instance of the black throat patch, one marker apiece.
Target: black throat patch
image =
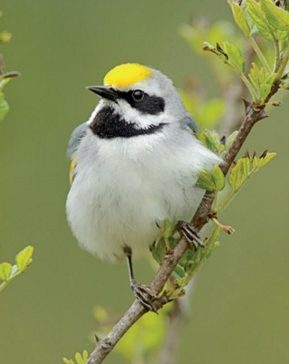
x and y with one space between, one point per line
107 125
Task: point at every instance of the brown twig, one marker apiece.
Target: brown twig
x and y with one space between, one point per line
233 93
251 117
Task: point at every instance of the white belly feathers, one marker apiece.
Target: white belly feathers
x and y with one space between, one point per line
123 190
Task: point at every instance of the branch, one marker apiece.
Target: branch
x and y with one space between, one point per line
104 346
253 114
233 93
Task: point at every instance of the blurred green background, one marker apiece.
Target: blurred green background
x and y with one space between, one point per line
240 308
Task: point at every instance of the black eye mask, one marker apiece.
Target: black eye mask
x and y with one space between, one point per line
143 102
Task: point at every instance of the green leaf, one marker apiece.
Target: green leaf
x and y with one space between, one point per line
5 271
261 80
211 180
24 258
240 17
221 31
258 19
78 358
277 17
4 82
85 355
235 56
4 107
158 250
245 167
206 181
230 140
81 358
216 50
67 361
179 272
239 173
219 178
167 229
263 160
192 260
211 140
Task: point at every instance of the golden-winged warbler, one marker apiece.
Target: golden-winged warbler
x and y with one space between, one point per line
135 163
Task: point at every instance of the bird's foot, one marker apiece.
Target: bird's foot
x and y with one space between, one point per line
144 295
189 233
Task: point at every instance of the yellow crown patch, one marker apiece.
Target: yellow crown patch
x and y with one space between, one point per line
126 74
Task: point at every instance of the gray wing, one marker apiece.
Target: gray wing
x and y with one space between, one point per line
189 122
75 139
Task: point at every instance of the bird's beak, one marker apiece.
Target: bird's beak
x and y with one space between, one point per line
104 91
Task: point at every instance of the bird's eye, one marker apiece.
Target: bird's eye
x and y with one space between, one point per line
138 95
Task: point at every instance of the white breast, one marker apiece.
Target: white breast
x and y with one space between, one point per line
125 187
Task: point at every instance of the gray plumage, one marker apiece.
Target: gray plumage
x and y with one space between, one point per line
76 136
190 122
80 131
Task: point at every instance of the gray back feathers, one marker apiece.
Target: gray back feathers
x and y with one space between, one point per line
76 136
188 121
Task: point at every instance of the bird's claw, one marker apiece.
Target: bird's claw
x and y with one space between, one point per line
189 233
144 295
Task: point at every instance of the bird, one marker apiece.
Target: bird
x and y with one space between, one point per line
134 163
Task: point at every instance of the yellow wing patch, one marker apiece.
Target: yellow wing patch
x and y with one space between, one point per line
71 170
126 74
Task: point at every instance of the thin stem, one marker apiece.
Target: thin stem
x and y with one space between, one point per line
283 65
226 202
277 54
249 86
3 285
260 54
